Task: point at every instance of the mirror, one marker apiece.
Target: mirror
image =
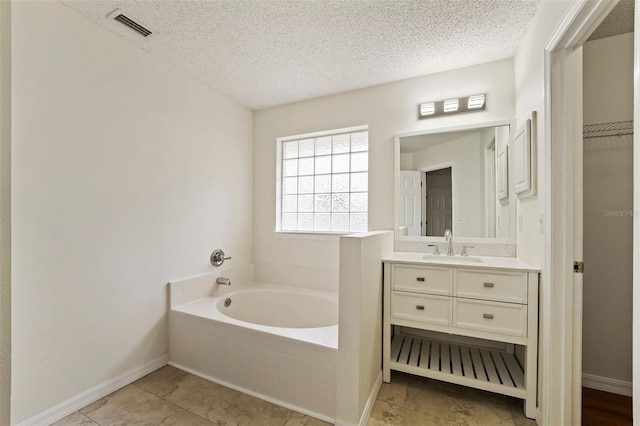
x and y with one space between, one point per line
456 179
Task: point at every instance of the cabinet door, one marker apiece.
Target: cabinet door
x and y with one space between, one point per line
502 175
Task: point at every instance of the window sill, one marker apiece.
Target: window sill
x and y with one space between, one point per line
292 235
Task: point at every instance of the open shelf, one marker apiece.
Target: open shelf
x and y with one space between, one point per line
487 369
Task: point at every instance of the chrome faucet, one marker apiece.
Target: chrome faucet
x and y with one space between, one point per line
448 236
223 281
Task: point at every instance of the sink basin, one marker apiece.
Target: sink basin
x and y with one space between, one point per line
451 259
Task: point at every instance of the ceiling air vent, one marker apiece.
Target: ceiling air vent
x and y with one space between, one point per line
125 20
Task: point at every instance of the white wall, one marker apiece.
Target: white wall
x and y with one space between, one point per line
5 212
387 109
608 204
529 66
127 173
467 179
608 79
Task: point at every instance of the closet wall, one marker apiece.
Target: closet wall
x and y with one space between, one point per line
608 211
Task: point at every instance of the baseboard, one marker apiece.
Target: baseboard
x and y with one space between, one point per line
255 394
72 405
366 412
372 400
539 416
607 384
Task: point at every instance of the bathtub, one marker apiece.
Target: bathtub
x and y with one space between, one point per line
274 342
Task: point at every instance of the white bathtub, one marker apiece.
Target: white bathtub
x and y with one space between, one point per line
274 342
281 308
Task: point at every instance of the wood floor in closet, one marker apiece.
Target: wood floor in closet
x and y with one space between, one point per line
603 408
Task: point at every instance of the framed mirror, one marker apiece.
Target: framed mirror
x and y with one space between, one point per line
455 178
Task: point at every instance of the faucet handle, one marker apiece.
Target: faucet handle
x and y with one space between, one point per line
217 257
464 250
436 250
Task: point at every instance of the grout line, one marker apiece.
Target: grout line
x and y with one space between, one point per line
174 404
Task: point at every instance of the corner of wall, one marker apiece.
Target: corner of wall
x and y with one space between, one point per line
360 326
5 212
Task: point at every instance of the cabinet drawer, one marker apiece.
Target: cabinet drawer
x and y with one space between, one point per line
501 286
495 317
423 308
422 279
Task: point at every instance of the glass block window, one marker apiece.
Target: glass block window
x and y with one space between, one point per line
323 182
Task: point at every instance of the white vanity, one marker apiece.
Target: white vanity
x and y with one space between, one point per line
471 320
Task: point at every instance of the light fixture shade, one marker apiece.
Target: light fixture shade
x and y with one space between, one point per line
476 102
452 106
427 109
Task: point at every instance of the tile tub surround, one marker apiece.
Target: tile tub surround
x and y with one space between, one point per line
296 374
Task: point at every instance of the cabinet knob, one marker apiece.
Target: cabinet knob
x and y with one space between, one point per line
488 316
488 285
420 307
419 278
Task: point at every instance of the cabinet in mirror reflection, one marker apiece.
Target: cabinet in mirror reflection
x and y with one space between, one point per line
454 180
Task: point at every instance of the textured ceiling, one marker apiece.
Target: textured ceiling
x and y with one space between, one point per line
619 21
271 52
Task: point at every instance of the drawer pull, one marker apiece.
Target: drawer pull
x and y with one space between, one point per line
488 285
420 307
488 316
419 278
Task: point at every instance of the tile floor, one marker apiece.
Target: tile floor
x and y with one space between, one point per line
170 396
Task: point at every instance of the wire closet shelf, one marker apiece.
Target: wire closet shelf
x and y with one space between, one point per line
619 128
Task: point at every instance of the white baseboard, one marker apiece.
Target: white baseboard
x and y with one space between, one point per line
258 395
372 400
606 384
364 417
72 405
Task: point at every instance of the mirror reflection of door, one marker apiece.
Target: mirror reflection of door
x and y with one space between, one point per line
439 201
410 205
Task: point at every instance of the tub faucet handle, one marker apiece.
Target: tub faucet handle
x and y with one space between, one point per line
217 257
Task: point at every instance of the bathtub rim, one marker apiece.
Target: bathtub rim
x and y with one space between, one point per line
206 307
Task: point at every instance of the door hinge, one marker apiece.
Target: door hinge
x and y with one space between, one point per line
578 267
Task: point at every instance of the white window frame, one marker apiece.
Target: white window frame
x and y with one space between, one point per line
279 177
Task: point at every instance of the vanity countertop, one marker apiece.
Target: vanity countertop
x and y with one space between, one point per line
493 262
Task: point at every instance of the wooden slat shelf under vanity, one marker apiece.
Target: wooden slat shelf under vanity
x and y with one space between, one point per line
486 369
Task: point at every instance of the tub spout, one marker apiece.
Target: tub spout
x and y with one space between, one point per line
223 281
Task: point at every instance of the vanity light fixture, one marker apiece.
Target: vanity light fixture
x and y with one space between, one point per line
452 106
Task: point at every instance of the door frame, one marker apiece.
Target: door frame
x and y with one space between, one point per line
636 215
561 372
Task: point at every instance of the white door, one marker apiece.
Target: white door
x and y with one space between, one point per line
410 204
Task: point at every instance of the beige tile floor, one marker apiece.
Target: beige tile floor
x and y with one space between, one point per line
170 396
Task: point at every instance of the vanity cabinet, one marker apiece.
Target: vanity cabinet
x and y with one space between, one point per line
462 323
